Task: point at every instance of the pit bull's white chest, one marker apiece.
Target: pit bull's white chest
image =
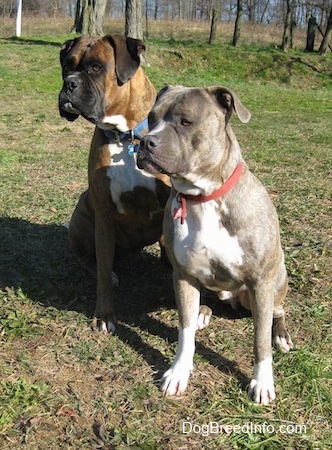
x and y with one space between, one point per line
124 174
205 249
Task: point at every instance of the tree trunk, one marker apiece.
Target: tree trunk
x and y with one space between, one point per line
311 33
251 11
180 9
146 19
89 17
213 26
327 36
134 27
238 23
287 37
266 5
156 10
134 23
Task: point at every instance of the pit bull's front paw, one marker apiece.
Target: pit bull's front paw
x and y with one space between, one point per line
262 393
282 341
175 380
261 388
204 317
104 326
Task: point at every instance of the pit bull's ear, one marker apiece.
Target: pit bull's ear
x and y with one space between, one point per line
127 53
228 100
66 47
163 90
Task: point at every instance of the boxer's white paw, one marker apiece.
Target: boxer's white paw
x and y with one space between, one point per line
103 326
261 388
106 328
204 317
175 380
283 343
115 279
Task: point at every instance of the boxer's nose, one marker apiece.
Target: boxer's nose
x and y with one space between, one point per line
72 83
150 142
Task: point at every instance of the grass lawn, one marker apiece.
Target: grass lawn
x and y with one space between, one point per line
63 386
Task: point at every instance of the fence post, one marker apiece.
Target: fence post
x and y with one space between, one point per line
19 18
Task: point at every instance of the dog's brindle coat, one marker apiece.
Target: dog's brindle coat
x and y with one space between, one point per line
230 244
123 207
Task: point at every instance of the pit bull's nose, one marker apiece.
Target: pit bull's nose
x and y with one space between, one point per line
150 142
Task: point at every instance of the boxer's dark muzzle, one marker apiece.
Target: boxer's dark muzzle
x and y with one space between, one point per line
80 97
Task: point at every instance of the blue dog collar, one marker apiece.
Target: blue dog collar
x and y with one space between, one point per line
134 134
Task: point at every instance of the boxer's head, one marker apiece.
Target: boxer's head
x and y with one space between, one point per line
95 73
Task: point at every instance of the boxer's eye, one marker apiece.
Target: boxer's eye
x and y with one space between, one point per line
95 68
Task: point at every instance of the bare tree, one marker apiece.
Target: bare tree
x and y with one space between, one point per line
251 6
89 16
134 23
134 27
287 37
213 27
238 22
327 36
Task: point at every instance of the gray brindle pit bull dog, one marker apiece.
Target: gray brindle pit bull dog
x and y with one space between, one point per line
220 227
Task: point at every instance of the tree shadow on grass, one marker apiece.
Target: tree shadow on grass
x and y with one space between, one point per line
25 41
37 259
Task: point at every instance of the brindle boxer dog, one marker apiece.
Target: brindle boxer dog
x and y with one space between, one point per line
220 226
122 207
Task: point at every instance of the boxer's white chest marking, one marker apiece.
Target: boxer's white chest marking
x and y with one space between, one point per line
117 121
202 239
124 174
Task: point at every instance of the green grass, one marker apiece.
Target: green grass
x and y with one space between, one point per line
63 386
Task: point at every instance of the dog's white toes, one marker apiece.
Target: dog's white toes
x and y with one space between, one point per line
284 344
261 392
106 328
103 327
115 279
175 381
204 317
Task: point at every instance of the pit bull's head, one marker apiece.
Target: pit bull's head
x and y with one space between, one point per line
189 134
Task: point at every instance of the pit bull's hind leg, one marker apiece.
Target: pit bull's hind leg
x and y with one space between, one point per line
280 336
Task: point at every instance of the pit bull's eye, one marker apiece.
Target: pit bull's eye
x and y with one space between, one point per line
185 122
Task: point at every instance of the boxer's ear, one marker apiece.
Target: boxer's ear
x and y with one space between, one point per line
66 47
127 53
229 101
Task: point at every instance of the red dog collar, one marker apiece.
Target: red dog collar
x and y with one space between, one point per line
181 212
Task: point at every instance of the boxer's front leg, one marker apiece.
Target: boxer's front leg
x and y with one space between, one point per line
261 388
175 380
104 316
